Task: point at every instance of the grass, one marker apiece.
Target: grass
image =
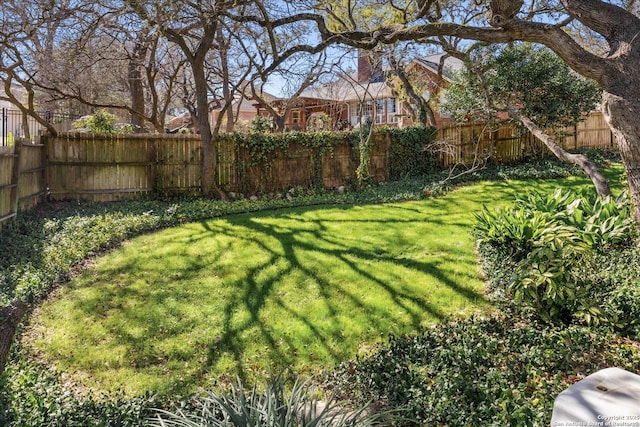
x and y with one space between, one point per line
307 288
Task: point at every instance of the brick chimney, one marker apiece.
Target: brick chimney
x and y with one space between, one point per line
365 68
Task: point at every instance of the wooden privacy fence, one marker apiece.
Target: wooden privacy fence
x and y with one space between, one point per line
113 167
511 142
22 177
302 165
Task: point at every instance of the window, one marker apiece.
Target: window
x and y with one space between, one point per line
377 76
392 110
367 112
379 111
295 117
361 113
354 109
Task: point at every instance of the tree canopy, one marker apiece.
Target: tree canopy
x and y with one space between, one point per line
597 39
523 76
533 87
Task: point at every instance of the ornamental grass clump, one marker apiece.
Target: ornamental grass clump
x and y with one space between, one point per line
282 403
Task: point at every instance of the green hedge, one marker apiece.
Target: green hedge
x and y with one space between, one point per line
409 155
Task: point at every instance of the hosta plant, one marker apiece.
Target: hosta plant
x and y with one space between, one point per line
546 237
603 221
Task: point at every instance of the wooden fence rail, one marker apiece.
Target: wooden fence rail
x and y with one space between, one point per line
114 167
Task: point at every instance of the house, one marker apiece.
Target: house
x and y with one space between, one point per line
244 110
368 96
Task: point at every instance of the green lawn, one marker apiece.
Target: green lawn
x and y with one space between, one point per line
247 295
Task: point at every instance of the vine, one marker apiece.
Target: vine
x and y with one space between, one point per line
407 153
365 136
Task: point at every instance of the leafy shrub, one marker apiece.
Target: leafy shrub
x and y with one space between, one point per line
480 372
515 231
275 406
603 221
261 124
544 278
318 122
408 154
546 236
100 122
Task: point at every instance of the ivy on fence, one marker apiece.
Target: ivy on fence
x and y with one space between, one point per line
404 149
408 152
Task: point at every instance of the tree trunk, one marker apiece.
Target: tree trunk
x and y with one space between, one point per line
621 113
424 115
227 94
10 317
592 171
278 122
209 154
136 88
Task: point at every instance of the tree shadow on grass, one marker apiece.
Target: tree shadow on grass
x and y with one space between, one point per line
322 283
151 317
255 294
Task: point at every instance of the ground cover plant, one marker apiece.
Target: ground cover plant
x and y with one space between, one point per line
500 371
33 395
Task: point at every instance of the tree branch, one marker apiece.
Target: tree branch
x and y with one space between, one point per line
614 23
581 60
592 171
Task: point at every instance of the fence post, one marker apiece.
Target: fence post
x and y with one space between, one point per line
5 127
15 177
44 160
153 166
611 138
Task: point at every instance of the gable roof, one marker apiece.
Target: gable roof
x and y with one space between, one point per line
450 64
344 89
246 103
